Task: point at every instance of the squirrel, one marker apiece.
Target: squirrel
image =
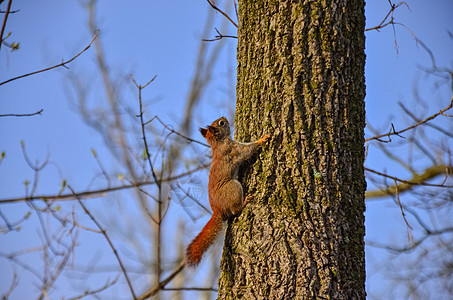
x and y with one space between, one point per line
225 192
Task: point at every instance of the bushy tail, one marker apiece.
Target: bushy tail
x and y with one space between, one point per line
203 240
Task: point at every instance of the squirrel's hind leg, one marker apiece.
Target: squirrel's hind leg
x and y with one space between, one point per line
232 196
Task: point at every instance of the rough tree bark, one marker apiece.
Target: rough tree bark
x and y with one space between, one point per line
301 79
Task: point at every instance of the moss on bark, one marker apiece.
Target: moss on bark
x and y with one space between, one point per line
300 79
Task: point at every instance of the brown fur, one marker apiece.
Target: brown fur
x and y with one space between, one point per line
225 192
203 240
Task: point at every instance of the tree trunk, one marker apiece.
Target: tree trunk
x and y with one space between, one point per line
300 79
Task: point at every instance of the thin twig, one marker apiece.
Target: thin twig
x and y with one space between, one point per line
219 36
22 265
49 282
35 167
99 192
441 112
63 64
175 132
410 237
383 24
104 233
4 21
412 246
13 285
392 22
191 289
158 222
428 174
23 115
236 9
410 114
11 12
153 291
193 199
145 142
11 225
391 154
104 172
96 291
220 11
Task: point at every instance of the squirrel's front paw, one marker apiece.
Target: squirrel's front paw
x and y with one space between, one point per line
264 139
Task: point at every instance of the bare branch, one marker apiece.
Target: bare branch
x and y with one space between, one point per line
220 11
410 114
441 112
101 166
158 222
23 115
188 195
191 289
48 282
104 233
176 132
99 192
236 8
21 264
219 36
409 228
96 291
11 12
8 9
12 225
13 285
142 123
413 245
35 167
154 290
63 64
383 23
407 185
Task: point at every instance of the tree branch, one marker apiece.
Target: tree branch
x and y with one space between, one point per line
99 192
394 132
383 24
153 291
191 289
220 11
23 115
175 132
219 36
104 233
142 123
63 64
89 292
413 245
13 285
407 185
8 9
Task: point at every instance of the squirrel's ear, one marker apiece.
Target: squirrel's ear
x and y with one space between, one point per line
203 132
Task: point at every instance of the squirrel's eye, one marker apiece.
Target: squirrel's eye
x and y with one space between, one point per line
222 123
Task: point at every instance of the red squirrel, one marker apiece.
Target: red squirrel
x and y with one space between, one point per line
225 192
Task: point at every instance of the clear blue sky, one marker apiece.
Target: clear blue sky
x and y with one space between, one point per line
147 38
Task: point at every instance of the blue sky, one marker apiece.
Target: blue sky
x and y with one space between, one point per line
147 38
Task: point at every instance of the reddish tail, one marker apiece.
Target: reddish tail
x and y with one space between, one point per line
203 240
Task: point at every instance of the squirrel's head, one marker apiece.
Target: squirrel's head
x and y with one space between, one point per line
218 130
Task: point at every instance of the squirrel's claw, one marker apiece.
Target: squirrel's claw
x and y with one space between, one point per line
264 139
